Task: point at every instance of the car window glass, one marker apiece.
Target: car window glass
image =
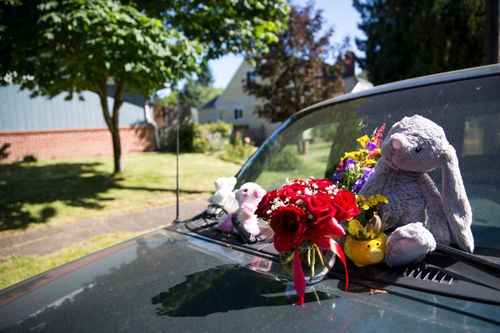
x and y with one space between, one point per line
303 155
468 111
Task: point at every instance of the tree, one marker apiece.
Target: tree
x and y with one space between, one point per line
197 92
296 72
412 38
75 45
194 94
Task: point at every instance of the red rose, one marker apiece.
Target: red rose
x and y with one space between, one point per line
321 184
345 202
293 192
320 207
289 226
265 204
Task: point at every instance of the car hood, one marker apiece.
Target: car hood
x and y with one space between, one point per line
173 279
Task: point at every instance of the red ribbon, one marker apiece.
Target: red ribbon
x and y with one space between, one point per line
298 274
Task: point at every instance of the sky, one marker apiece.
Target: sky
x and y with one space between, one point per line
338 14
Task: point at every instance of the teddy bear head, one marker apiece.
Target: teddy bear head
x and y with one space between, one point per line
415 144
250 193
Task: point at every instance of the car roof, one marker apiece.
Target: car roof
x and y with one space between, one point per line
407 84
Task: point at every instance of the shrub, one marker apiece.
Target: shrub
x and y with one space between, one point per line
240 150
215 135
188 132
287 159
199 138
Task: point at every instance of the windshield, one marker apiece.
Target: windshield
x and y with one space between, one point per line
468 110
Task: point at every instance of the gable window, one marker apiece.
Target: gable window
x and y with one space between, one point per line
238 114
251 78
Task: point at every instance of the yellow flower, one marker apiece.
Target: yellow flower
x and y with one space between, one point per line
377 199
353 155
363 140
362 203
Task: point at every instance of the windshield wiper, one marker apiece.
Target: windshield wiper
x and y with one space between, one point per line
472 258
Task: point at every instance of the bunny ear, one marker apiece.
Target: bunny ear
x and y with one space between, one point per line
455 202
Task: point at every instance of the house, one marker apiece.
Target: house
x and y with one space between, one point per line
235 106
44 128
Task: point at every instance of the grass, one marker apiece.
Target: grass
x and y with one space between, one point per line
54 192
312 164
65 191
16 268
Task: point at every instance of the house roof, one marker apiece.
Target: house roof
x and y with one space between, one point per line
210 104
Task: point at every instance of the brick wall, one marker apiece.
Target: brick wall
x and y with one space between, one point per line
47 144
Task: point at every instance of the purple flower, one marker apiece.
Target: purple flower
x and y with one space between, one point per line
336 177
358 185
349 164
368 172
370 146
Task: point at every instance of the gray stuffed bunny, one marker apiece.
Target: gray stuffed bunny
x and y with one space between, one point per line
422 216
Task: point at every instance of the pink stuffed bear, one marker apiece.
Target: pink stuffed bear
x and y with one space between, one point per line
243 221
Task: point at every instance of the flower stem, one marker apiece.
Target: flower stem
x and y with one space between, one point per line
321 258
309 256
313 262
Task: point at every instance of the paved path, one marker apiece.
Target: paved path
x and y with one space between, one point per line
42 241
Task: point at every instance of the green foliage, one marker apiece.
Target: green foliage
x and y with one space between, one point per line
172 100
189 132
287 159
215 135
298 70
79 45
224 129
76 45
200 138
239 151
195 93
223 26
413 38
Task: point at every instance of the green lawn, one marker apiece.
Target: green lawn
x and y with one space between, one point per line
34 195
17 268
312 164
64 191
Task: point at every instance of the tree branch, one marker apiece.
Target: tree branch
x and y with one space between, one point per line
102 92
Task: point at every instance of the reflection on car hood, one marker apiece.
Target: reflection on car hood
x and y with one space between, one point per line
169 281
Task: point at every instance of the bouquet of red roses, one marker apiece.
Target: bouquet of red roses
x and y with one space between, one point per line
306 213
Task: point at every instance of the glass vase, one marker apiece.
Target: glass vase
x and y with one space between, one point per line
315 261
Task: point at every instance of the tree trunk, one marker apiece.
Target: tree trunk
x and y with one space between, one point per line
112 122
117 151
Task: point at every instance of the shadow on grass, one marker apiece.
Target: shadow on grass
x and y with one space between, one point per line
73 184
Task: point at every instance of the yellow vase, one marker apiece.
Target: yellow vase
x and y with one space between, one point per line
365 252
